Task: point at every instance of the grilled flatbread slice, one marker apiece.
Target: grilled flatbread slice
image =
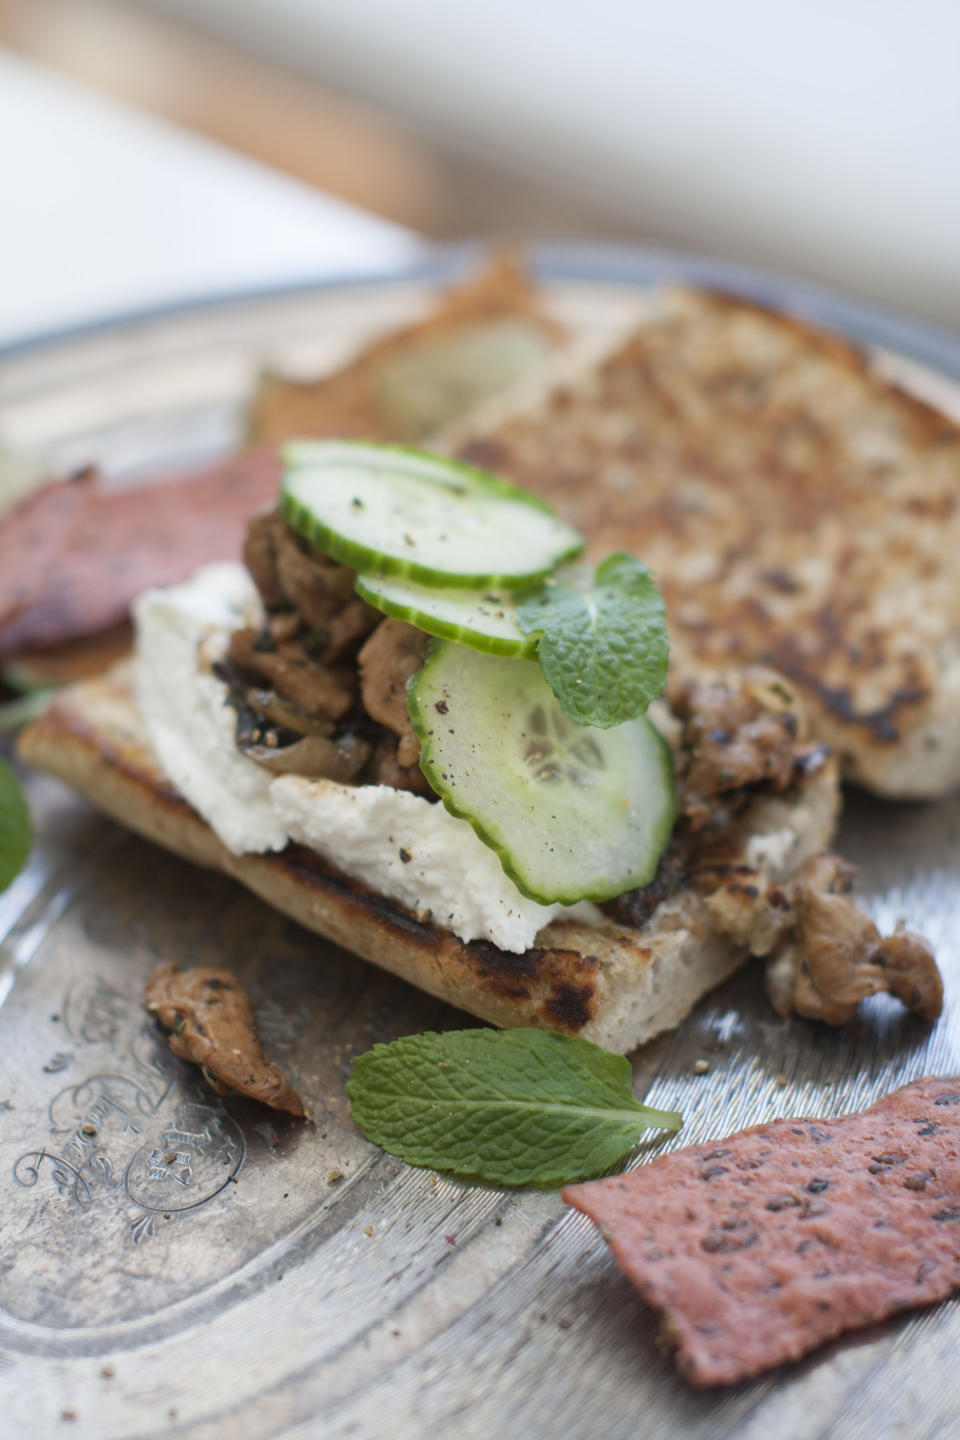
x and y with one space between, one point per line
798 511
618 984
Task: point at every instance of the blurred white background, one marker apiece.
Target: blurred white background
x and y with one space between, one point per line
821 139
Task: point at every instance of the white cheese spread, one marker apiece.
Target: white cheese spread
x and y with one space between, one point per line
399 844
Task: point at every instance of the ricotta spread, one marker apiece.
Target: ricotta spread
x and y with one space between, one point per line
399 844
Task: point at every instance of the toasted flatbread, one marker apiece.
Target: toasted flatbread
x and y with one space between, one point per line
482 337
798 511
615 984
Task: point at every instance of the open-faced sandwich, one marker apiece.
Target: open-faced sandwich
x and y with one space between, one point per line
411 724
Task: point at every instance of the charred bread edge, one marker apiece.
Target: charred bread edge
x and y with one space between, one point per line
609 984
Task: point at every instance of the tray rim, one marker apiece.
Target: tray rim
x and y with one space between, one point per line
585 262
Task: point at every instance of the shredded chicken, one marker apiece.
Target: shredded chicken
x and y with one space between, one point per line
212 1024
260 557
320 690
733 737
288 573
392 654
308 653
339 635
836 956
741 746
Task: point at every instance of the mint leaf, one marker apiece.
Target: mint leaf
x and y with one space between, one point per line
16 832
514 1107
604 649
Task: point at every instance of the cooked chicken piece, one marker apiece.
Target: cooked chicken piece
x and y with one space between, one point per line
260 557
837 956
284 625
389 658
336 637
212 1021
733 738
317 689
314 585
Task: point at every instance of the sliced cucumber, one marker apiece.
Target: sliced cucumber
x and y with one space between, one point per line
574 813
483 619
403 512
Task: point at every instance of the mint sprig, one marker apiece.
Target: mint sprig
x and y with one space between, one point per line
603 648
513 1107
16 832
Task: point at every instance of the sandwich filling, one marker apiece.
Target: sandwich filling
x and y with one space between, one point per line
377 825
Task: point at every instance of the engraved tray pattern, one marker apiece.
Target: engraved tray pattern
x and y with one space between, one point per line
173 1264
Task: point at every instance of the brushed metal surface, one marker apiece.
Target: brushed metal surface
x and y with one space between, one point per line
173 1264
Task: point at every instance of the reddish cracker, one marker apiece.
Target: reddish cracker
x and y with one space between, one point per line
73 555
762 1246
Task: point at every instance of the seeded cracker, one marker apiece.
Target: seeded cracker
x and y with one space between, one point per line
763 1246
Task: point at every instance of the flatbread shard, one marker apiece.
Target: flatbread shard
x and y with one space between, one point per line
797 510
481 337
765 1245
617 984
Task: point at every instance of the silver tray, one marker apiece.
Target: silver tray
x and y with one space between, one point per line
276 1279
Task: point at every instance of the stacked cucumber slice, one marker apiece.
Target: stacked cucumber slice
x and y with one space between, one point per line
573 811
485 619
403 512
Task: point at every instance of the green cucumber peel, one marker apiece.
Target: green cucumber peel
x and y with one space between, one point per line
611 842
298 454
510 1107
16 831
382 527
603 647
481 619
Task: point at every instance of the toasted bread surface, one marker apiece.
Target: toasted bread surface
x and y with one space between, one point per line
610 983
797 509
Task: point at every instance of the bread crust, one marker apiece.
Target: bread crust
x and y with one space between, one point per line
611 984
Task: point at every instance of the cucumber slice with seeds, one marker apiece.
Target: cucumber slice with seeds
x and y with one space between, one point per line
403 512
483 619
573 812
